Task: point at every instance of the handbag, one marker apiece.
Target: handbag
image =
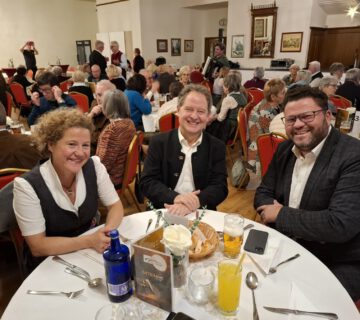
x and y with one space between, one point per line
239 175
138 194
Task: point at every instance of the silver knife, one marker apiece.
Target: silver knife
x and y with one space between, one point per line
71 266
331 316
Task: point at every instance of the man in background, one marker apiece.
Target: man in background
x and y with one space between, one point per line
96 56
29 51
311 191
138 62
96 74
316 75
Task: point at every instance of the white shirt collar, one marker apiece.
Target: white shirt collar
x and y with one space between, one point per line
184 142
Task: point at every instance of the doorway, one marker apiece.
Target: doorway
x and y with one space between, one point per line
209 46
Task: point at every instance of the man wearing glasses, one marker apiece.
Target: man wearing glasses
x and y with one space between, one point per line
52 98
311 191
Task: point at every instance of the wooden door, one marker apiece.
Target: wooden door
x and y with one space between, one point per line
209 46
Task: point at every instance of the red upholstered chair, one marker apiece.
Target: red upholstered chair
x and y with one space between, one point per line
266 146
130 168
81 100
9 103
166 122
340 102
250 105
64 86
13 234
19 94
257 94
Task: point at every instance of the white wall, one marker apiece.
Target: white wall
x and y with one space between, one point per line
53 27
342 20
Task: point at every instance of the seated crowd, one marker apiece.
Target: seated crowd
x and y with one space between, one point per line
81 157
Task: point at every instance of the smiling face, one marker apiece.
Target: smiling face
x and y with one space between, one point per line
193 116
71 152
306 136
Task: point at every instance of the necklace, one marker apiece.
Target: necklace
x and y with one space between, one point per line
69 191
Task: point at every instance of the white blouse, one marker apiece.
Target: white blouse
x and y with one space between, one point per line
27 206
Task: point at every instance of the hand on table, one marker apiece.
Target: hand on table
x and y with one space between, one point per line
177 209
100 240
269 212
190 200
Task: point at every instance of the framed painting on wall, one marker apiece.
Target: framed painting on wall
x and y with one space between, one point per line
237 46
291 42
176 47
162 45
188 45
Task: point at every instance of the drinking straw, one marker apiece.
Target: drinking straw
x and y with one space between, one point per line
240 263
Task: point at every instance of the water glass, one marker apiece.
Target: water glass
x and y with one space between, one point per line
111 312
201 285
233 234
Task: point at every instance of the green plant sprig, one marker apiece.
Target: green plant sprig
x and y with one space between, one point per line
197 221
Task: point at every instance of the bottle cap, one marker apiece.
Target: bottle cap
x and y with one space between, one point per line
114 234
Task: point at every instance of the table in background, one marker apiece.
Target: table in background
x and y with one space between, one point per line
312 277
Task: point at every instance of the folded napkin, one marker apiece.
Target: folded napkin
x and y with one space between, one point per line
299 301
265 261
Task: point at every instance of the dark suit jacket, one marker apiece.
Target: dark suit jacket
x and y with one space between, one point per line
17 151
351 91
164 163
327 222
97 58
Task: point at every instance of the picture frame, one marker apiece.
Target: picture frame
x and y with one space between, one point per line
188 45
176 47
291 41
162 45
237 46
260 25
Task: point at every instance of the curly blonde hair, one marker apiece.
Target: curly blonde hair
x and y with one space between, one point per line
52 125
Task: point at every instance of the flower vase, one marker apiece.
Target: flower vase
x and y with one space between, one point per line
180 267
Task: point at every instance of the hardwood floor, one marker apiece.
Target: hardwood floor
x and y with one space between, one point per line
238 201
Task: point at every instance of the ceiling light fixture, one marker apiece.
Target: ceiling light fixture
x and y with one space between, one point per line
352 11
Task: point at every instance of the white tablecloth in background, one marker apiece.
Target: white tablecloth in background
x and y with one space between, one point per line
305 280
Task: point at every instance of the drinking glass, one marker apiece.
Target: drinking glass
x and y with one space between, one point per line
201 285
345 126
229 283
233 234
110 312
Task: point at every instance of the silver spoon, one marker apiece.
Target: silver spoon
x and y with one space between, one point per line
93 283
274 269
252 283
148 225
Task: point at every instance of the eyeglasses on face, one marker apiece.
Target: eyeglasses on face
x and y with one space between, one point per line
305 117
45 90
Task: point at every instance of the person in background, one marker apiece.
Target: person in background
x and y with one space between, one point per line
165 77
96 114
17 150
29 51
138 62
328 85
152 86
184 75
303 78
114 140
96 56
3 89
114 75
316 75
337 70
350 89
57 201
258 80
118 58
52 98
218 87
80 86
219 56
261 116
57 70
185 168
85 68
20 77
311 189
170 106
224 125
96 74
291 77
139 105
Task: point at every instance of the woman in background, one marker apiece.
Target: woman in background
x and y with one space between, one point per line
114 75
114 140
80 86
57 201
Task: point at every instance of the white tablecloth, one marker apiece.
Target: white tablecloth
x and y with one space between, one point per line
304 283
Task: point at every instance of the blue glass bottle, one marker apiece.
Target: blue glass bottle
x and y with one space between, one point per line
117 269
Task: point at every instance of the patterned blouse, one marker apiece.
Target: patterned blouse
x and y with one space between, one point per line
113 145
259 121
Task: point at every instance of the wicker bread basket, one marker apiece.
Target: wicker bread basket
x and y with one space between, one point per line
208 246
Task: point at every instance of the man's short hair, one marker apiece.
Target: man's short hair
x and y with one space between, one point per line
98 43
304 75
232 81
302 92
195 88
327 81
48 78
175 88
259 72
107 84
137 50
21 70
353 75
336 66
220 45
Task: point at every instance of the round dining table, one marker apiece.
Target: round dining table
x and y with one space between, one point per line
304 283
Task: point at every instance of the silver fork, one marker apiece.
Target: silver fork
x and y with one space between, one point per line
274 269
70 295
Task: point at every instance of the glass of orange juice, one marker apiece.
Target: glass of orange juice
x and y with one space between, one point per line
229 283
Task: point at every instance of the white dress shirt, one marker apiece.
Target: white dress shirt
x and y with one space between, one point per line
27 204
301 172
185 183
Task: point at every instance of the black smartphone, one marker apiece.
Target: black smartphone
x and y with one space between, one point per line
178 316
256 241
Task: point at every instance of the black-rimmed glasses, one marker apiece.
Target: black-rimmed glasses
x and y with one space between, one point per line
305 117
